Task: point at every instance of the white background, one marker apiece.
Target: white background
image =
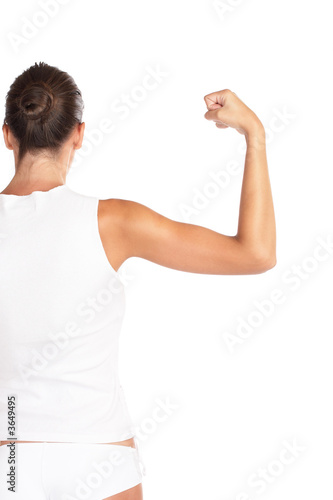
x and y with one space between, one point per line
233 410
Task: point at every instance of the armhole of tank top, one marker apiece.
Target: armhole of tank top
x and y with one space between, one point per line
100 243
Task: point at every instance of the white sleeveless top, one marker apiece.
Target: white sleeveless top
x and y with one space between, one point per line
61 310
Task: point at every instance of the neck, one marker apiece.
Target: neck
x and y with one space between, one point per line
39 174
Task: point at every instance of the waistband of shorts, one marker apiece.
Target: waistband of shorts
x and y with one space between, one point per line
136 441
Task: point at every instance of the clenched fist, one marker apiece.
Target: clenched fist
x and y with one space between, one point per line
227 110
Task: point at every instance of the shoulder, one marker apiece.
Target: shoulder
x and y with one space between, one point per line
137 228
111 214
124 213
119 218
115 211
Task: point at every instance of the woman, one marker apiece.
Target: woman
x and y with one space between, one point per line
62 408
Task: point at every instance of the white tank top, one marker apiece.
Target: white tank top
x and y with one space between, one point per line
61 310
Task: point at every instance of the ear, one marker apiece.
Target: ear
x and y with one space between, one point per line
80 135
7 136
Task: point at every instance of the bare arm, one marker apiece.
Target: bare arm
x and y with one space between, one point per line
256 223
141 232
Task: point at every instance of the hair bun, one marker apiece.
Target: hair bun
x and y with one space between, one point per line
36 101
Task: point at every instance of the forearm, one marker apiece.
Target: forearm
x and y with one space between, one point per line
256 224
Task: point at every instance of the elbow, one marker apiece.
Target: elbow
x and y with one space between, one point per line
257 258
265 262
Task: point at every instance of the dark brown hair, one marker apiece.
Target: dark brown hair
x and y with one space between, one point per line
43 105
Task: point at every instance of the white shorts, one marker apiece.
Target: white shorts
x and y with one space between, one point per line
68 471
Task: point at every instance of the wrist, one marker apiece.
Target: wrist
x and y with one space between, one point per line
256 135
